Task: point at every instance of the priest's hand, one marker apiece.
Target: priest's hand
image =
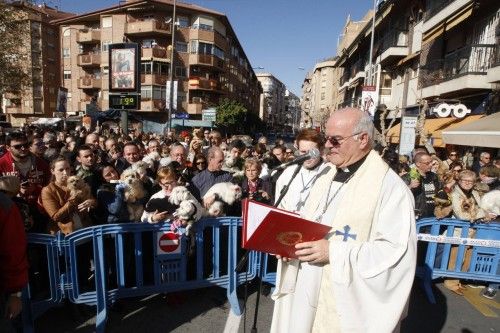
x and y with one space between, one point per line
315 252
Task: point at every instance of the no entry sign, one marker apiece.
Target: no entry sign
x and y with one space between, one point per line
168 243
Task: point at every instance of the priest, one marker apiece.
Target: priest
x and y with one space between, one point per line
367 262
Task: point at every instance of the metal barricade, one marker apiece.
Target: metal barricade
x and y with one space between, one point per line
161 259
458 249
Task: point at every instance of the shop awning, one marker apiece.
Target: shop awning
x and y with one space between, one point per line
448 24
484 132
434 128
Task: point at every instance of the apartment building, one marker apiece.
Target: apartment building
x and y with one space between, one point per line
292 111
209 62
272 100
319 93
38 98
439 51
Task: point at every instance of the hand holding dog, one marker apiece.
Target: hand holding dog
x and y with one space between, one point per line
158 217
87 204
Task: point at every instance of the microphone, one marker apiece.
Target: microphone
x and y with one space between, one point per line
312 153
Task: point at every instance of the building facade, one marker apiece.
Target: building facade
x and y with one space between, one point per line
42 63
272 100
292 112
319 94
442 54
209 62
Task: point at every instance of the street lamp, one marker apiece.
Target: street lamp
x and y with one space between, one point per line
171 99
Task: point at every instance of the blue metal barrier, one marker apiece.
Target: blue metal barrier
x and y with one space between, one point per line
217 249
444 234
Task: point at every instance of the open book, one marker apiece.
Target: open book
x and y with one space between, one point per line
276 231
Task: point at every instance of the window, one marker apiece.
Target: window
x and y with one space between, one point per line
182 22
322 96
148 43
66 31
181 47
105 70
218 52
385 84
107 22
105 45
180 72
146 68
65 52
67 75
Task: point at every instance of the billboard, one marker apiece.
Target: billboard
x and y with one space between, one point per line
124 67
369 99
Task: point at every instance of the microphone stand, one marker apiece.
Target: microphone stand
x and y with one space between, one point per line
244 259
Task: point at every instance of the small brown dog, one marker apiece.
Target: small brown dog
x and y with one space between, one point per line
134 192
79 189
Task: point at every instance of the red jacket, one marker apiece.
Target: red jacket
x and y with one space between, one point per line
13 258
37 177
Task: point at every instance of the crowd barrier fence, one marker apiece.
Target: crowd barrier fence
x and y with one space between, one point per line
451 243
159 262
162 262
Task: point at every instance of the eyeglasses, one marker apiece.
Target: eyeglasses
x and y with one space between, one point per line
21 145
165 184
338 140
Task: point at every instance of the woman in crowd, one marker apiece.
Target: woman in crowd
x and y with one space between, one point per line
66 212
111 197
465 202
199 164
158 208
254 187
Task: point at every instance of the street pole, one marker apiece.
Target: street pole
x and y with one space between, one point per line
171 97
370 66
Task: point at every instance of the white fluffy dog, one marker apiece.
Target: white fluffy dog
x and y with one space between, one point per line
227 193
490 203
190 210
151 158
134 192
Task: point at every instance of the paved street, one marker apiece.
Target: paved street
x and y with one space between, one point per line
207 310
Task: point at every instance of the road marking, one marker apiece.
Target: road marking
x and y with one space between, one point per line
232 323
488 307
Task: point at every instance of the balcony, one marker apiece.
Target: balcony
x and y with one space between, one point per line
195 108
149 27
152 105
206 60
89 60
441 10
88 36
494 72
464 69
199 83
208 35
394 46
89 82
155 53
150 79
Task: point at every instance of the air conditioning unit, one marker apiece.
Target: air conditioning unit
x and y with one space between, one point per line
197 100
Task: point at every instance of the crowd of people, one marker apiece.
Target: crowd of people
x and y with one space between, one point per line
67 180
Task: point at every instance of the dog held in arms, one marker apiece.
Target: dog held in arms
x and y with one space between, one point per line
189 211
226 193
79 189
134 193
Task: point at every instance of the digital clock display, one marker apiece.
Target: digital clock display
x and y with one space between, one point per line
129 102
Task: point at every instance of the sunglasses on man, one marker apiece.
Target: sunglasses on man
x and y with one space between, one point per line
338 140
21 145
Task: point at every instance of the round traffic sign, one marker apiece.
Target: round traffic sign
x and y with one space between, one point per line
169 242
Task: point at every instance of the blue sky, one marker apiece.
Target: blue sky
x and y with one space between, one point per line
280 35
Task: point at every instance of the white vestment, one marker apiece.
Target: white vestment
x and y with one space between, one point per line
367 282
300 186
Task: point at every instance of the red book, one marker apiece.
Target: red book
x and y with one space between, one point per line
276 231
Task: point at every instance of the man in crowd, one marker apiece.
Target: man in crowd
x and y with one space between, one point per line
367 263
37 147
300 185
234 162
86 168
424 185
14 267
33 172
452 157
131 154
179 155
484 160
213 174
